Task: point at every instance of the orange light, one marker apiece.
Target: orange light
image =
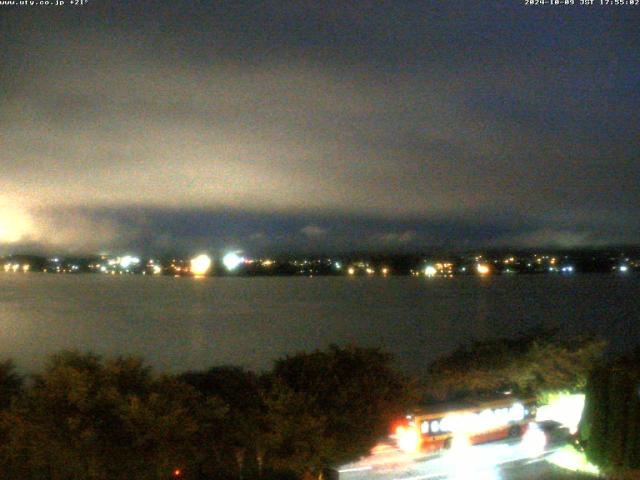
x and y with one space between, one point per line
408 439
177 472
482 269
200 265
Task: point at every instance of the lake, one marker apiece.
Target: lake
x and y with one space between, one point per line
185 323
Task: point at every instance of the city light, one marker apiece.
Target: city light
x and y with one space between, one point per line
351 271
623 268
200 265
482 269
430 271
127 261
232 260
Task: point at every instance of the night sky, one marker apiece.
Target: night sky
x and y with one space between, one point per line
318 125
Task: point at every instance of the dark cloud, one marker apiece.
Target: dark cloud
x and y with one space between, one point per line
308 124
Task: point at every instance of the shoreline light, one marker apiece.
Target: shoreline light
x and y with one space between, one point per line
127 261
200 265
482 269
232 260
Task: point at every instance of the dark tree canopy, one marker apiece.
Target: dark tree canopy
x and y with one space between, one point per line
610 426
532 363
355 389
10 383
91 418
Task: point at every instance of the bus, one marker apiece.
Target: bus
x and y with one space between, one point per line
470 422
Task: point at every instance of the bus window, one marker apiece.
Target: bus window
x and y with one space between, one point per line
424 427
435 426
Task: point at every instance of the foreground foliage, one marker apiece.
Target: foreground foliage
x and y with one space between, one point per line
531 364
86 417
610 426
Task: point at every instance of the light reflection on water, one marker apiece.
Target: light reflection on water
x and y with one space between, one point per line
180 323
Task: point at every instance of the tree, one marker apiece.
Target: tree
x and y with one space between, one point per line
529 364
10 383
295 437
355 390
611 420
92 419
234 445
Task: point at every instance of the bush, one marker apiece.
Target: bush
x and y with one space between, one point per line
610 426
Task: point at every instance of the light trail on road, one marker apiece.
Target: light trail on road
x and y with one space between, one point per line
493 461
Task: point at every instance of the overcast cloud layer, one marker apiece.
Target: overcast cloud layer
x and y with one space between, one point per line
317 125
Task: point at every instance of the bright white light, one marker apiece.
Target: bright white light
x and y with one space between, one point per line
570 459
430 271
352 271
128 260
356 469
464 462
563 408
534 440
408 439
488 419
567 269
200 265
460 443
624 268
232 260
157 269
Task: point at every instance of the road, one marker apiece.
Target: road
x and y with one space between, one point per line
494 461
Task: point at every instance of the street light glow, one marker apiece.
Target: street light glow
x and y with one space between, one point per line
232 260
200 265
482 269
430 271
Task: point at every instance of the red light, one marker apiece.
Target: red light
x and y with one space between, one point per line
177 473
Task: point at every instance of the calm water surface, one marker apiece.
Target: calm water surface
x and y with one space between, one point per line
184 323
